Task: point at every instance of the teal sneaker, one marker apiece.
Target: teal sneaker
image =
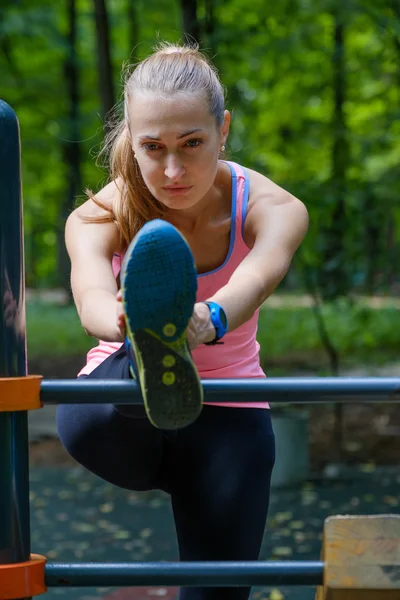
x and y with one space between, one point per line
159 284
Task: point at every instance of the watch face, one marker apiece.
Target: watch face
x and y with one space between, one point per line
223 318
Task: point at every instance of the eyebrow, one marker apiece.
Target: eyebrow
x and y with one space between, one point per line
178 137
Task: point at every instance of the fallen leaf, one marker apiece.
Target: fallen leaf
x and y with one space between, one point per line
282 551
308 497
104 524
391 500
84 487
62 517
121 535
145 533
83 527
284 516
276 595
40 503
128 546
66 495
369 498
304 549
368 468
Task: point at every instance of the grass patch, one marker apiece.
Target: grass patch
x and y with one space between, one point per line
288 336
54 330
360 334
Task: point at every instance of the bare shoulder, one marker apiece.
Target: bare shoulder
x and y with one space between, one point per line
266 191
269 206
99 235
106 196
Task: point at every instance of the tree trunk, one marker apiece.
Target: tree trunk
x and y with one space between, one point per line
373 236
392 256
340 157
191 24
106 83
209 26
133 30
334 279
71 148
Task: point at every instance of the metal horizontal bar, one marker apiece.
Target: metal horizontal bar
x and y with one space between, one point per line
276 390
189 574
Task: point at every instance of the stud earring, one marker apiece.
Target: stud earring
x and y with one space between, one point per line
222 148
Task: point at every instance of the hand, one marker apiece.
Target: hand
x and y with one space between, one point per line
10 308
200 328
121 325
14 315
199 331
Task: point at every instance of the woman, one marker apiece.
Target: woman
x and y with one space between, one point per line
168 179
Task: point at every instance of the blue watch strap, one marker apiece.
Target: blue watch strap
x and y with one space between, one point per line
219 320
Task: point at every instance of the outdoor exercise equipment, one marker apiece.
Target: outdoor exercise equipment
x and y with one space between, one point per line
360 557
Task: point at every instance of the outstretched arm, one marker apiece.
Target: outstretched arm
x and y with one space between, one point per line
275 225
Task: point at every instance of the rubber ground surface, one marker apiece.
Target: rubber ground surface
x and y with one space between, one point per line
77 517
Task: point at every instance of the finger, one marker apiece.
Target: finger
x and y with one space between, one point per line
10 310
9 317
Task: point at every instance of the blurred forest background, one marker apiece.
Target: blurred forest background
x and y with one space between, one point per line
314 90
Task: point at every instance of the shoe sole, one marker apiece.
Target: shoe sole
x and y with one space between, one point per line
159 284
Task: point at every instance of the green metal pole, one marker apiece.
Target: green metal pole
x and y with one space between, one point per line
14 457
198 574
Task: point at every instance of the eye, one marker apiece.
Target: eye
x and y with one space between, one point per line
194 143
151 147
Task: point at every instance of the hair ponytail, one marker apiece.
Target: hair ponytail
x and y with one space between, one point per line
133 204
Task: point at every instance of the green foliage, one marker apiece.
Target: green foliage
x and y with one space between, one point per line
278 63
288 336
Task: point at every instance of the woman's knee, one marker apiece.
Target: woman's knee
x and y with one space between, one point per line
123 451
78 427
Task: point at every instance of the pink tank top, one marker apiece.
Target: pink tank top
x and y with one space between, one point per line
238 357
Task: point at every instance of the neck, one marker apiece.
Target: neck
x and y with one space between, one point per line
207 210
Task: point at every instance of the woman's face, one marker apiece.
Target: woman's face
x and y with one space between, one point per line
177 143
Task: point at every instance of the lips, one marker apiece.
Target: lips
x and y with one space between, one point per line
177 190
177 187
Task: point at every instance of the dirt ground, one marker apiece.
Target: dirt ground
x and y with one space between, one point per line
370 433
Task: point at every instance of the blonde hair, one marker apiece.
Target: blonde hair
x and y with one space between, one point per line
169 70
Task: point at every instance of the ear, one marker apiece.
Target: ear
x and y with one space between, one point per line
225 126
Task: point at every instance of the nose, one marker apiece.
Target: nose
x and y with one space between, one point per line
174 168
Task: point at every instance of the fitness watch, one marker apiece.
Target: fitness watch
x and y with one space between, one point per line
219 320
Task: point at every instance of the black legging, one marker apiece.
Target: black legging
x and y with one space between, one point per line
216 470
